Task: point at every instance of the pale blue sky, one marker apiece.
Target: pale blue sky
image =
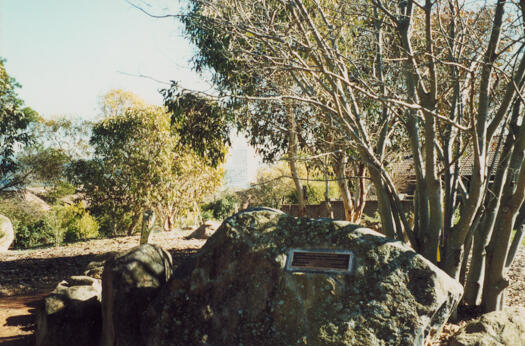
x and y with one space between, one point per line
67 53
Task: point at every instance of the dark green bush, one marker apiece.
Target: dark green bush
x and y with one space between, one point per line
33 234
220 208
314 194
75 223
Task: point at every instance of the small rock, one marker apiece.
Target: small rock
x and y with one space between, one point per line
7 234
95 269
493 329
71 314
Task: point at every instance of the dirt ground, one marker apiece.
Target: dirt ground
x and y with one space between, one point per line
27 276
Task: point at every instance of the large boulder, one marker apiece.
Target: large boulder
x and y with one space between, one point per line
244 288
7 234
205 230
496 328
71 314
130 281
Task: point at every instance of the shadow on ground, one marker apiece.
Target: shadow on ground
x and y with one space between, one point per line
27 281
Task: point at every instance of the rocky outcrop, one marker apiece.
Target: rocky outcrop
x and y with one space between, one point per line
496 328
240 288
7 234
95 269
71 314
130 281
205 230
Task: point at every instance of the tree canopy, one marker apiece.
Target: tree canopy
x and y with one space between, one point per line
448 76
14 128
138 164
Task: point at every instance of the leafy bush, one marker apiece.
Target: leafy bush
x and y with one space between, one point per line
207 214
221 208
37 228
29 223
112 223
75 223
314 194
33 234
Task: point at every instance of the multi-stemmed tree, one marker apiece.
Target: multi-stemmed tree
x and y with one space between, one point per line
446 75
139 165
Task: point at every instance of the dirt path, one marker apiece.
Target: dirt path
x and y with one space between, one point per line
17 319
27 276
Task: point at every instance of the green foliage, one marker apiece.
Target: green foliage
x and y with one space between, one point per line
314 193
271 188
35 233
221 208
14 123
207 215
202 124
138 164
20 213
38 228
60 190
32 227
76 223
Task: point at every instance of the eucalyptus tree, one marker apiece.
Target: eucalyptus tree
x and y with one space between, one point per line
277 127
138 166
451 72
15 133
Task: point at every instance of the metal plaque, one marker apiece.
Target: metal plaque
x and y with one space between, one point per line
320 260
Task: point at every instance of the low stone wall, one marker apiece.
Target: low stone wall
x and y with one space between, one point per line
316 211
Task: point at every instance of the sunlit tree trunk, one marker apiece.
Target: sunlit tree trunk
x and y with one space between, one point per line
148 219
339 170
498 250
292 160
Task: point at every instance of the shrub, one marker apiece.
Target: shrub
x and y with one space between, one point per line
33 234
221 208
30 224
75 223
207 214
314 194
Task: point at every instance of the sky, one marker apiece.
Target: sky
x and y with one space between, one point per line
66 54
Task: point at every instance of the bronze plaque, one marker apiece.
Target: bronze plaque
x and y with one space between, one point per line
322 260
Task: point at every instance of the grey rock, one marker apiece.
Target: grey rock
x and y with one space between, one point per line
94 269
130 281
237 289
7 234
71 314
493 329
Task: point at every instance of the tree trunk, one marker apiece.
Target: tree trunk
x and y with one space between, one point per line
168 223
515 245
495 275
484 229
363 191
344 190
498 250
134 222
148 219
384 206
292 161
466 258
